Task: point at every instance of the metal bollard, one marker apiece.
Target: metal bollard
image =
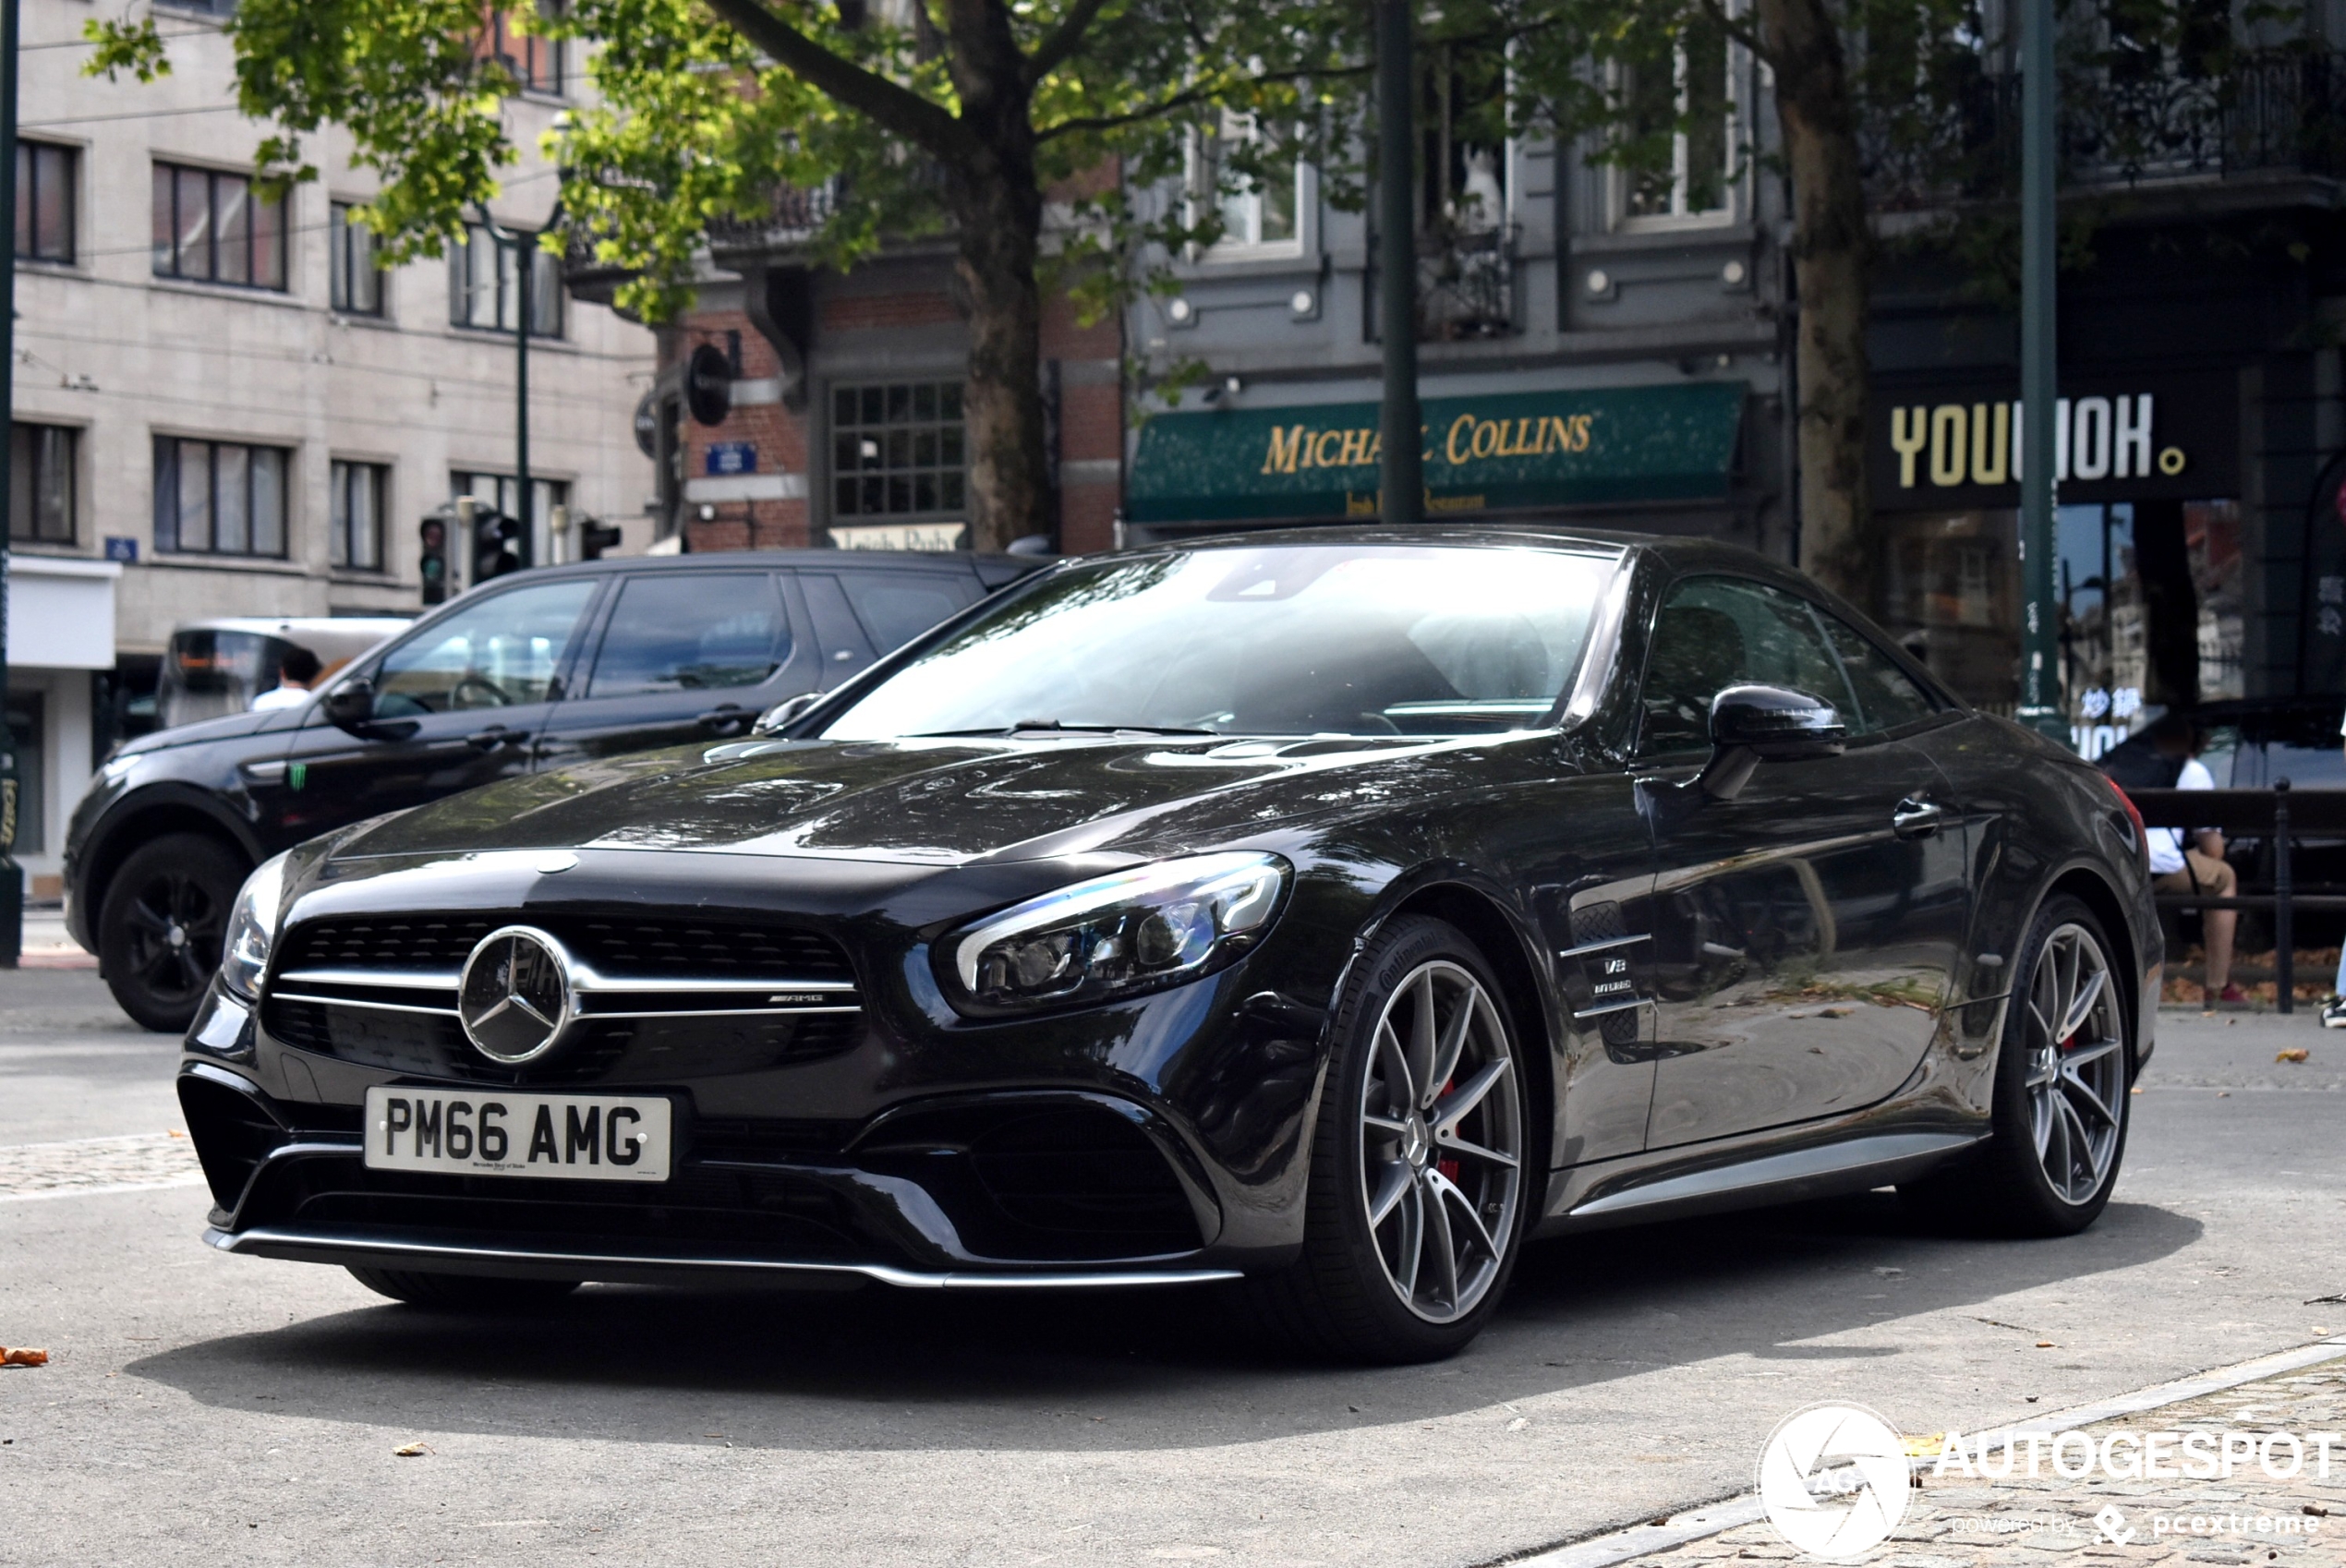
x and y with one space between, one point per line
2284 917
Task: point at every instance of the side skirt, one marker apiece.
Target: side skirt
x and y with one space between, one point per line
1590 1198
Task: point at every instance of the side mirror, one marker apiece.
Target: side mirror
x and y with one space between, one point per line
350 704
1751 725
784 714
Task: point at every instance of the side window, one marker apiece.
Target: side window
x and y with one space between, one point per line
1886 697
692 631
498 650
1720 632
896 606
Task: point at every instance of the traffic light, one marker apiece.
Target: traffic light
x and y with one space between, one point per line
596 537
496 539
435 559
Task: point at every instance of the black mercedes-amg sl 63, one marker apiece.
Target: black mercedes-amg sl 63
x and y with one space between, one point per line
1329 913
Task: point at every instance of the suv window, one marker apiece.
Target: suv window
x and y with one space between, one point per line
692 631
499 650
896 606
1719 632
1886 697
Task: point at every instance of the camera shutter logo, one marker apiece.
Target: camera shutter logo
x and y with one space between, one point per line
516 996
1833 1479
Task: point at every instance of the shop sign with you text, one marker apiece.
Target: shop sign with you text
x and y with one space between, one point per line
2171 438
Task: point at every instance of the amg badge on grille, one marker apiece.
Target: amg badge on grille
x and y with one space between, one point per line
517 995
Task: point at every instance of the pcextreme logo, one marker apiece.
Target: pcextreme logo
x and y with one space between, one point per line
1833 1479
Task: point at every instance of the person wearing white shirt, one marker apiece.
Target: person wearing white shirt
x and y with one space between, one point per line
2199 866
298 675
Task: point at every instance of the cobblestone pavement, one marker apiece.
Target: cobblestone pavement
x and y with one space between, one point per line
97 1165
1953 1521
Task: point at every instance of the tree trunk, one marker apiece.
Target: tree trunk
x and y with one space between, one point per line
1830 251
997 208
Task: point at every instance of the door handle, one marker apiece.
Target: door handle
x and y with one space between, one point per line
1912 818
725 717
488 739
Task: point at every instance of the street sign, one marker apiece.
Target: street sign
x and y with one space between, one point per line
730 457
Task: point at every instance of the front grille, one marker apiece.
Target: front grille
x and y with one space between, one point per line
432 1044
621 948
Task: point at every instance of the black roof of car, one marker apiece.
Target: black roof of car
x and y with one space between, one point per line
992 570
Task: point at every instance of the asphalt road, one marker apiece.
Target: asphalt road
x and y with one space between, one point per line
201 1409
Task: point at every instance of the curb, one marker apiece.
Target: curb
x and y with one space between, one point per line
1704 1520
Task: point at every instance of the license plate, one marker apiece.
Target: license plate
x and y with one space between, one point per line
497 1132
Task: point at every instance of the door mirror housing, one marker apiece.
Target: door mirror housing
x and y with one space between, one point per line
784 714
1751 725
350 706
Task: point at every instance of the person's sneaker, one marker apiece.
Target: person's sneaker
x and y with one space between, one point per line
2334 1014
2231 994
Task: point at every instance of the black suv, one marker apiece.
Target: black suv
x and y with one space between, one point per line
561 665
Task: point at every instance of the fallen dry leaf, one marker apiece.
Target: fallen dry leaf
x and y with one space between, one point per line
2296 1053
411 1451
1924 1447
2044 1345
23 1357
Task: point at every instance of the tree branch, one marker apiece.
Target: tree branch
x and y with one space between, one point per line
893 108
1193 96
1064 38
1735 30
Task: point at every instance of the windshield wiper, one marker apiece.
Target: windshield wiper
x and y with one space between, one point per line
1054 725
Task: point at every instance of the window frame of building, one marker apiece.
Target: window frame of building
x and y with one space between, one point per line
1678 210
1243 240
170 244
170 491
44 167
465 285
48 460
535 60
351 480
500 491
872 438
356 279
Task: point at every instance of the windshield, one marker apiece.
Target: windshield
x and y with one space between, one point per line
1293 640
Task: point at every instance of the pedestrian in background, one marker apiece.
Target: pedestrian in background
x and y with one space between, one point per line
296 678
2166 756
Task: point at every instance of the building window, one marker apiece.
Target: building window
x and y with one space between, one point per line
360 493
534 60
1257 205
481 291
44 201
1680 157
215 228
219 498
897 449
41 474
357 285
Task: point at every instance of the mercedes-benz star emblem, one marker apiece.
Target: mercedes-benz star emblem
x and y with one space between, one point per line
515 996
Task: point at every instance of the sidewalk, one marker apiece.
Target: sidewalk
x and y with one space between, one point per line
47 946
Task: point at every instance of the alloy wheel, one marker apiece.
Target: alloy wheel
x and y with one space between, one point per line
176 928
2076 1064
1442 1141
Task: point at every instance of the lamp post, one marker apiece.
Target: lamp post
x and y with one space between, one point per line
1400 475
525 252
2039 382
11 876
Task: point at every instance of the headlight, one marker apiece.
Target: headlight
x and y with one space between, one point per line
1119 935
252 926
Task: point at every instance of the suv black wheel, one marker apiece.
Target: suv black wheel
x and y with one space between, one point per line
2063 1073
463 1293
162 922
1421 1168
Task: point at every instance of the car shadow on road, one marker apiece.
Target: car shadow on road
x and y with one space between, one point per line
878 1368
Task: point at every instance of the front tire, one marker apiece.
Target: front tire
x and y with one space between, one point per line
160 925
462 1293
1421 1161
2061 1104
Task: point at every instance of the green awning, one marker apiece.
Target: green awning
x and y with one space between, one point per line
1675 442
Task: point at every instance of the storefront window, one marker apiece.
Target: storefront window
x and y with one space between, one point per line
1953 599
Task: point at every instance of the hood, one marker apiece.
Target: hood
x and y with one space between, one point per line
227 726
938 802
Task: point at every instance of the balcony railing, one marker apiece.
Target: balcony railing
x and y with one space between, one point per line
2271 112
1466 285
793 216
